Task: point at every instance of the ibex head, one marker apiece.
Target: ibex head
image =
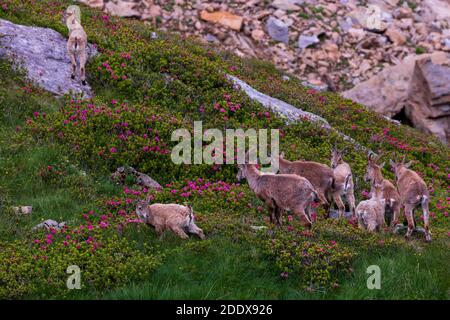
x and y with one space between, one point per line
242 167
337 156
397 166
373 169
142 209
72 14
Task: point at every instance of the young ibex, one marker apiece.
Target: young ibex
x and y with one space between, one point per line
177 218
413 192
320 176
390 193
76 45
281 192
370 212
343 181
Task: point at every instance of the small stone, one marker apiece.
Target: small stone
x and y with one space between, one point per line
346 24
392 2
50 224
210 38
402 13
224 18
447 43
291 5
26 210
258 34
306 41
358 34
396 36
278 30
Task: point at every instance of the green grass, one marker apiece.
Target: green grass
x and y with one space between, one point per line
405 274
234 263
230 271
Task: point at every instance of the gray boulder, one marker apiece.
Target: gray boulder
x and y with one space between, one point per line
278 30
42 53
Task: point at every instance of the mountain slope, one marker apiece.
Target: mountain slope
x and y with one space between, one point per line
62 152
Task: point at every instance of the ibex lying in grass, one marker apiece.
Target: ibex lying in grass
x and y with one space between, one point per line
413 192
177 218
320 176
343 181
76 45
370 212
390 193
281 192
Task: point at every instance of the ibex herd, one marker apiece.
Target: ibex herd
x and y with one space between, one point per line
302 183
320 183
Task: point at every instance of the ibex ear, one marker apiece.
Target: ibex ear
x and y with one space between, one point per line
282 155
404 159
382 165
392 163
407 165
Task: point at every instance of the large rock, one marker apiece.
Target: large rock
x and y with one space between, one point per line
42 52
420 85
428 105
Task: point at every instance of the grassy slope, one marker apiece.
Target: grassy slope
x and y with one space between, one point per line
224 268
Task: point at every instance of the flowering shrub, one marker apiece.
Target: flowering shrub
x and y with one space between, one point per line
40 270
318 263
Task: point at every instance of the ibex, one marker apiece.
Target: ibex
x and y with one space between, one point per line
281 192
390 193
370 213
320 176
177 218
76 45
343 181
413 192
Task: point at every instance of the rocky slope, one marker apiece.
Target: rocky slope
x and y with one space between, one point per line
330 45
335 43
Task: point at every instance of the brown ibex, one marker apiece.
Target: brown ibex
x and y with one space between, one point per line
390 193
320 176
281 192
413 192
76 45
177 218
343 181
370 212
